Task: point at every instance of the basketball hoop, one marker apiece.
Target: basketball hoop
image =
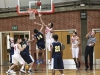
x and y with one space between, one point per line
32 13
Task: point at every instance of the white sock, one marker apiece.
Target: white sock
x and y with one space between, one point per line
9 70
30 68
22 67
62 74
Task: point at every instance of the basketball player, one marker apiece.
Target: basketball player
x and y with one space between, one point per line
17 57
40 45
75 49
48 34
11 48
56 62
11 51
26 55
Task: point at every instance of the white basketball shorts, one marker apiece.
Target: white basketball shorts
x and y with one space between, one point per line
48 43
17 58
75 52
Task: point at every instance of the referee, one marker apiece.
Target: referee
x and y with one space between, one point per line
89 49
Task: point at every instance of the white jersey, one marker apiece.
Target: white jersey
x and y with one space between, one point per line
74 42
48 34
16 50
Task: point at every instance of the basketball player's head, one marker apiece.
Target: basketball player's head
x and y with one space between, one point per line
50 25
16 40
55 37
11 39
36 31
74 33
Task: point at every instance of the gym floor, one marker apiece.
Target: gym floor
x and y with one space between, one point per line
67 71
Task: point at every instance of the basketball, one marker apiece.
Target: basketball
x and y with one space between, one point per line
26 66
39 3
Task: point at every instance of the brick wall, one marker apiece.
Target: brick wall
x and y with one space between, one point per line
61 21
93 20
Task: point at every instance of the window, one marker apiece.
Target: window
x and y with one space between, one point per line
68 39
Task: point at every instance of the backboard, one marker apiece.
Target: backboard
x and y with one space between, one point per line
46 7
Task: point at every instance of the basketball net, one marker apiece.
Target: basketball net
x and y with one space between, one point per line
32 13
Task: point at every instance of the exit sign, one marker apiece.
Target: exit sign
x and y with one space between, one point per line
83 15
14 27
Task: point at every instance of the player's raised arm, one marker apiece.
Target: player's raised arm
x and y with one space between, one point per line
41 28
88 34
37 23
42 20
29 41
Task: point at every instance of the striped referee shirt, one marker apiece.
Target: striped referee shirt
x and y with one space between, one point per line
91 40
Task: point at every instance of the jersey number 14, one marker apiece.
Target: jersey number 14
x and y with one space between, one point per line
39 37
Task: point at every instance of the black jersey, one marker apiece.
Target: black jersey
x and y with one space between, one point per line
57 61
39 36
56 48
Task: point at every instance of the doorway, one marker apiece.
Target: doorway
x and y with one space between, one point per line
97 47
4 50
64 38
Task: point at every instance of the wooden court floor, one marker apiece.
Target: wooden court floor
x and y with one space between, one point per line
46 71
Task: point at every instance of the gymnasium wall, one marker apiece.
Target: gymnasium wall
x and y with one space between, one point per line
93 20
61 21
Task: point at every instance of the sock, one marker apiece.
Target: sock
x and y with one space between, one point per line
9 70
22 67
62 74
30 68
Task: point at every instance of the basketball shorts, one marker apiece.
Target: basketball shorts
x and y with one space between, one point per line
40 45
27 58
17 58
11 53
48 43
57 62
75 52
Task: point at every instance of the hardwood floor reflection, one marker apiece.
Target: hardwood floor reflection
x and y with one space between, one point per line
67 71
